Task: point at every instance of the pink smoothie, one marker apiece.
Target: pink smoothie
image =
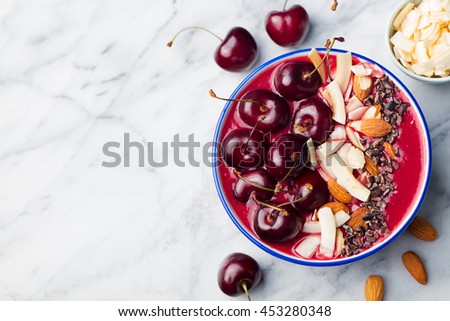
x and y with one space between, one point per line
407 178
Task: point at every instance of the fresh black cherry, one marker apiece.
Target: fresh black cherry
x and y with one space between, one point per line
238 51
262 108
288 27
276 225
312 119
238 273
244 148
311 191
286 156
296 80
274 109
257 181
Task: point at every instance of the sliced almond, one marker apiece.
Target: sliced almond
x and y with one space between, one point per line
374 288
338 133
389 150
415 267
355 125
358 113
340 242
373 112
338 192
336 207
353 103
373 127
360 70
356 219
371 167
354 137
355 158
362 86
422 229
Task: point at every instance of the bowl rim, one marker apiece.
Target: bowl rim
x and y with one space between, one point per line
334 262
388 32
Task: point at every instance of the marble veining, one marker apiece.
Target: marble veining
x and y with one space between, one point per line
77 74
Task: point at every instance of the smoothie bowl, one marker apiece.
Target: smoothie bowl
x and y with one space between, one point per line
321 160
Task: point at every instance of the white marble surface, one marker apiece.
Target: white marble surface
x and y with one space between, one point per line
75 74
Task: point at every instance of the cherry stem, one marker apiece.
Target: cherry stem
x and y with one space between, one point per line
309 187
239 175
285 3
245 288
329 44
276 208
334 5
170 43
290 169
279 207
260 119
263 107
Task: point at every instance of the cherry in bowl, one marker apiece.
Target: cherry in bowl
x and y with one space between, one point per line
312 119
267 110
286 156
257 182
275 224
296 80
244 148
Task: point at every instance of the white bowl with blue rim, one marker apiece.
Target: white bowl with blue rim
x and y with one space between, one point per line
337 261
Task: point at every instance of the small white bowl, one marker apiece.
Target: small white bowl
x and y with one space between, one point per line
390 32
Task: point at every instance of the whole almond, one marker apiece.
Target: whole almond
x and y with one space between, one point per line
336 207
415 267
389 149
356 219
374 288
422 229
371 167
374 127
359 92
338 192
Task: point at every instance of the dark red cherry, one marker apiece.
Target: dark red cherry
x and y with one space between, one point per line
257 181
238 51
312 189
238 273
275 226
286 156
288 27
244 148
312 119
265 108
296 80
